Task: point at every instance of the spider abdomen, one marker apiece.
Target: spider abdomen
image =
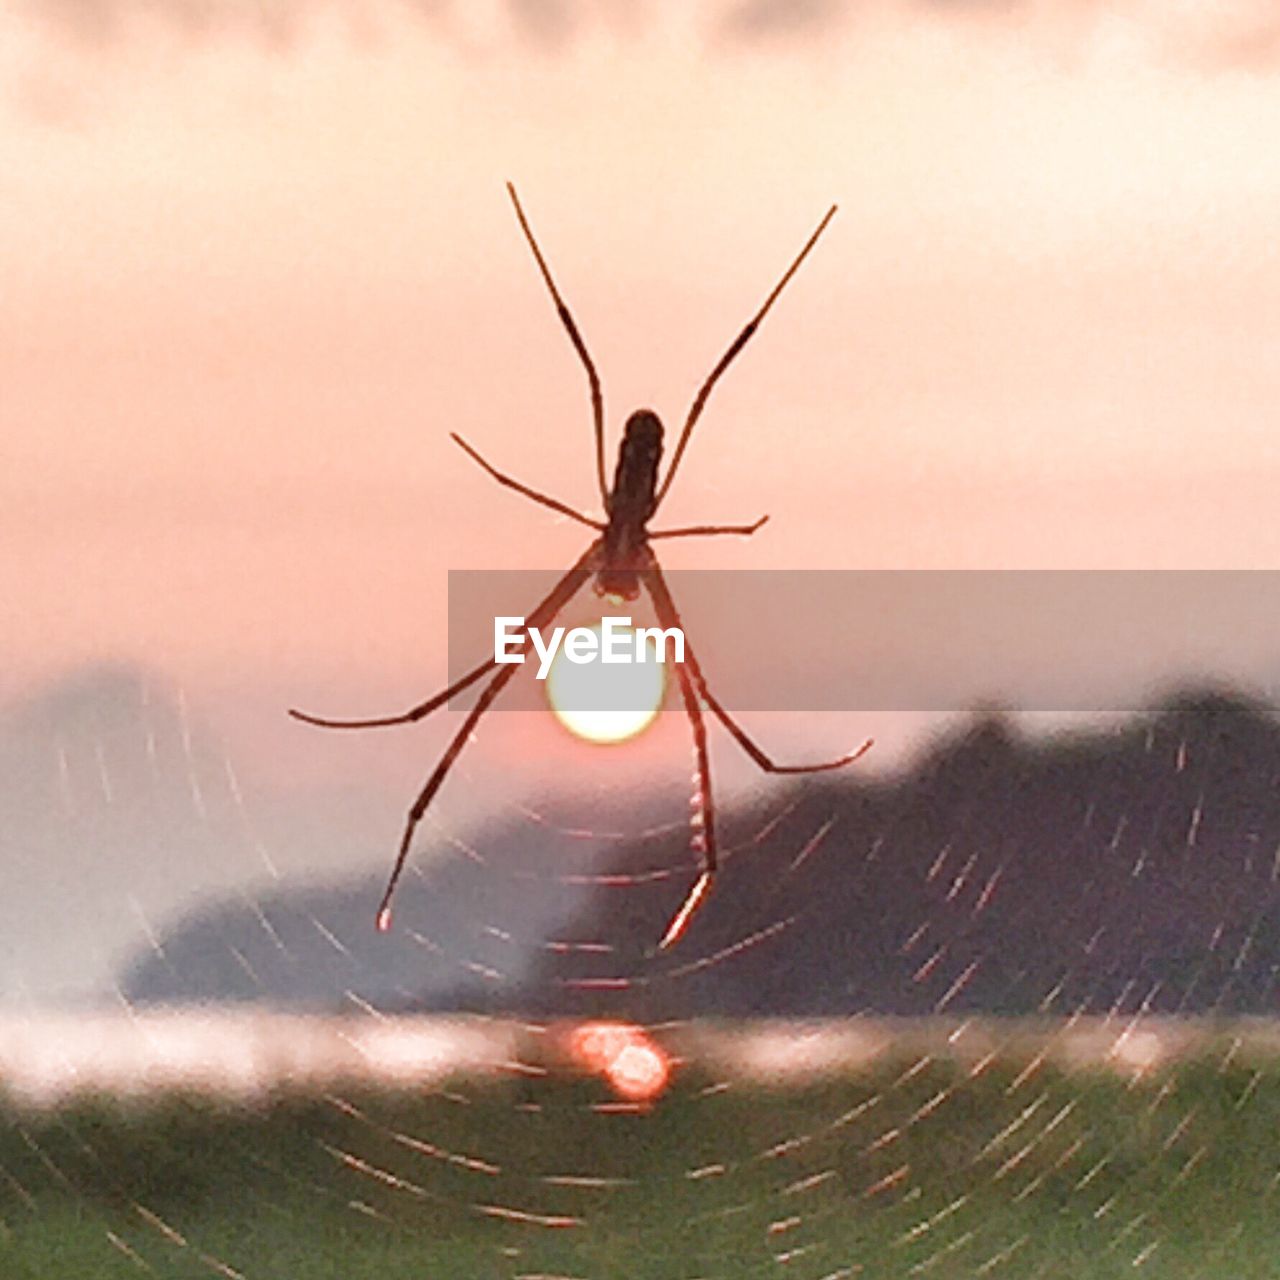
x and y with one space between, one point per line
636 477
630 506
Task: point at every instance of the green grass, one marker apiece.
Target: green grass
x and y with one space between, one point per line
930 1173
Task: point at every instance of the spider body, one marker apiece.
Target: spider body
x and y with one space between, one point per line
630 504
622 563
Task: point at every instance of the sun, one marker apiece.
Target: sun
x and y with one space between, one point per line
610 702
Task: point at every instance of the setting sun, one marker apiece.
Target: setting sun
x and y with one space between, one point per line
606 702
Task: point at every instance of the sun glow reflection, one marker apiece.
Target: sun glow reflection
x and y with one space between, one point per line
606 702
635 1067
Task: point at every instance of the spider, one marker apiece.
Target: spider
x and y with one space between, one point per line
621 562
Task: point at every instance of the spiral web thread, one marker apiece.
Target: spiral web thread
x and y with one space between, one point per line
1111 1129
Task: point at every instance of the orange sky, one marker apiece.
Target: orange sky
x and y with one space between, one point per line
252 280
257 262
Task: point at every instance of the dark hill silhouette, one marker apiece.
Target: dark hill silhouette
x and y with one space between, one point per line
1109 870
119 806
466 926
101 779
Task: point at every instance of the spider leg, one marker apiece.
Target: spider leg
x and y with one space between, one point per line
510 483
702 530
562 593
756 753
405 717
700 400
585 565
669 616
693 685
593 378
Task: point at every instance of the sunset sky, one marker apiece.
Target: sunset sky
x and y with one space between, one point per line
256 268
254 273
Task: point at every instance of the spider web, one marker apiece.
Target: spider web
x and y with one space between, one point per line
579 1109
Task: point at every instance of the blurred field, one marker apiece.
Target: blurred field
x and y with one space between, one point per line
242 1053
1004 1163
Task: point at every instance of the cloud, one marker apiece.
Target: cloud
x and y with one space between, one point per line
101 24
1206 34
279 24
547 23
759 20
